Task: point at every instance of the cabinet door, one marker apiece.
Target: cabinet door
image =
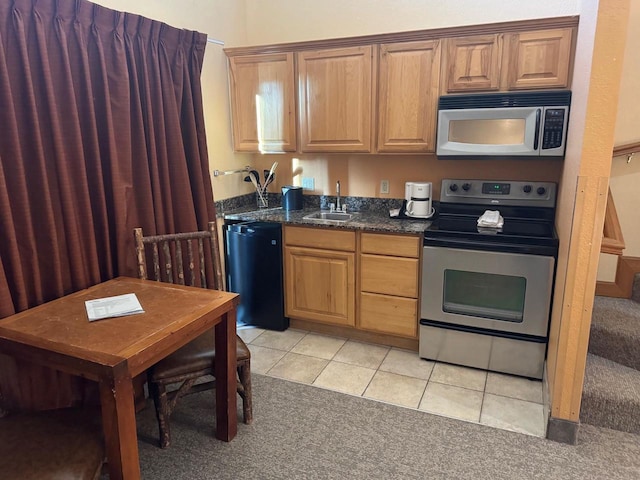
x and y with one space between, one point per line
539 59
472 64
408 96
335 92
263 103
320 285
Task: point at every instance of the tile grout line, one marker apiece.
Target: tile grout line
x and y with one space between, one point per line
378 369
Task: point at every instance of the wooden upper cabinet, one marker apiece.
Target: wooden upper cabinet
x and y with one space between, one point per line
472 63
381 95
538 59
335 99
263 103
408 94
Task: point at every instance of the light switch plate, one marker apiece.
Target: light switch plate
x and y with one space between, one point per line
308 183
384 186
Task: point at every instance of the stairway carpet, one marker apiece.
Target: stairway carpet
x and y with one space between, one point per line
611 395
615 330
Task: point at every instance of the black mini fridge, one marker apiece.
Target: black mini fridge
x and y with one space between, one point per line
253 256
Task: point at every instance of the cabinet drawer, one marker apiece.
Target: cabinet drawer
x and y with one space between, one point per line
389 275
386 314
320 238
396 245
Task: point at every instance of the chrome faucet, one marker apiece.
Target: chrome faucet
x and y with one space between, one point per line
338 207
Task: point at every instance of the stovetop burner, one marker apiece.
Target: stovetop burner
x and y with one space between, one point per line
528 209
512 227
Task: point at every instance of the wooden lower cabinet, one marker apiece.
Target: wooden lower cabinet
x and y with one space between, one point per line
389 275
389 314
320 270
320 285
319 273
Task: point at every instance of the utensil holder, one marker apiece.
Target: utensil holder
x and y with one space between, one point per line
262 199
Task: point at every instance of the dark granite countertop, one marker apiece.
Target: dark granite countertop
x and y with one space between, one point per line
374 220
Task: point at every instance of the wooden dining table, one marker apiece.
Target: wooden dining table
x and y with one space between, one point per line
113 351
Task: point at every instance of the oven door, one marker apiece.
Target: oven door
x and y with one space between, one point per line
497 291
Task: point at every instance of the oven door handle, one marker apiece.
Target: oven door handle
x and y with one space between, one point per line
483 331
536 139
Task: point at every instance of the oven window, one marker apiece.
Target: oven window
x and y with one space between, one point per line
486 295
504 131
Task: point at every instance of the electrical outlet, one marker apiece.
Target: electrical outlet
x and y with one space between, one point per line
384 186
308 183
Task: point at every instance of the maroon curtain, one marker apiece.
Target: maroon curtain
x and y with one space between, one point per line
101 131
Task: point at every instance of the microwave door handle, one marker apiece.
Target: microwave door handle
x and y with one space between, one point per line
536 138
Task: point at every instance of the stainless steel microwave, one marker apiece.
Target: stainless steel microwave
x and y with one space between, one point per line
499 125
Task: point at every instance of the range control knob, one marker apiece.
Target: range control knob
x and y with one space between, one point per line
466 186
527 189
541 190
453 187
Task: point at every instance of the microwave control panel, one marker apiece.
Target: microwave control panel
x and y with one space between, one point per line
553 131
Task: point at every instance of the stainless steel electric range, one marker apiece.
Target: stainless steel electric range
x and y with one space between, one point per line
486 290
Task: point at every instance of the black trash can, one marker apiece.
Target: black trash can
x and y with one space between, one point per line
253 255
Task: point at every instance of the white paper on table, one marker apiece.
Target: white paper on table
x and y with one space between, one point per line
109 307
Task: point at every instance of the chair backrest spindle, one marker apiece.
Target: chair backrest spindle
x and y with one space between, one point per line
203 276
179 266
170 257
217 264
192 266
168 267
156 262
142 264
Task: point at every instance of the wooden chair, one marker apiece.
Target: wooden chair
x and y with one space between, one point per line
193 255
59 444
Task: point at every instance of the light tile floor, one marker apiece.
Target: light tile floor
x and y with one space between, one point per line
398 377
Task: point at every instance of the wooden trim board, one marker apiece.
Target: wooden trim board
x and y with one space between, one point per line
623 284
355 334
612 241
411 36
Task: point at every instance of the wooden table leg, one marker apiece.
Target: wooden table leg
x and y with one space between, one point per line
119 424
226 407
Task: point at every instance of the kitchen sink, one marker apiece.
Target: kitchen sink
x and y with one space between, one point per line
331 216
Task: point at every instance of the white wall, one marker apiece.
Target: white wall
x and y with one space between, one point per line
277 21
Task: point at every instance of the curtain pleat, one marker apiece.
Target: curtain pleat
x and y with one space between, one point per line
102 131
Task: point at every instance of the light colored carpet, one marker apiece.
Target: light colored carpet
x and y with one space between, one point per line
611 395
615 330
611 392
303 432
